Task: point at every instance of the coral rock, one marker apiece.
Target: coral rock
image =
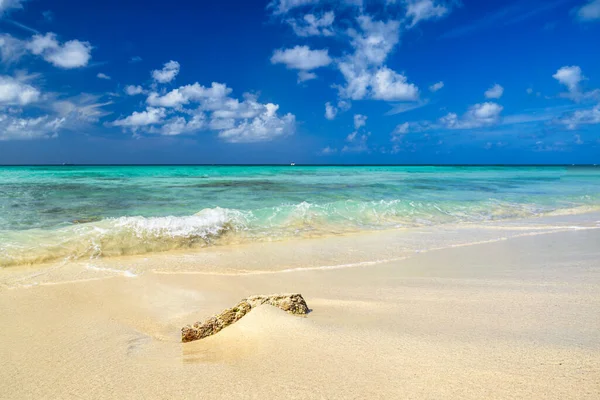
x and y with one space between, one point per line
291 303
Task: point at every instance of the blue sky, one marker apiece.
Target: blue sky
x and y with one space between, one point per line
310 81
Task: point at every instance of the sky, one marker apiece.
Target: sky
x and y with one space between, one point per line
305 81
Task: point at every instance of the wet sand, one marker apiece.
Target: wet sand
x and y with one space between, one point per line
509 319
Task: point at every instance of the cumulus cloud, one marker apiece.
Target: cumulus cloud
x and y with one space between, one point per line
302 58
392 86
265 126
589 11
478 115
183 95
134 90
422 10
570 77
379 84
150 116
363 70
314 25
179 125
330 111
436 86
495 92
581 117
7 5
68 55
167 73
14 92
306 76
103 76
359 121
193 108
375 40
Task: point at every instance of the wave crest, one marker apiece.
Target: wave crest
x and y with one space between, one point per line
140 235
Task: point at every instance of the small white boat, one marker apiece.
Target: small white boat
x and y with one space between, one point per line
292 164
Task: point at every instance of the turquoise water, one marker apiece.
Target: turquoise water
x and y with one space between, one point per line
49 213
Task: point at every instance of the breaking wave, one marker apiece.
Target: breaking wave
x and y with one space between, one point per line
214 226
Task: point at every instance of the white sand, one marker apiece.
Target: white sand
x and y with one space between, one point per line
511 319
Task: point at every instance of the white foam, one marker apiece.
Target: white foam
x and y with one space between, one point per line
125 273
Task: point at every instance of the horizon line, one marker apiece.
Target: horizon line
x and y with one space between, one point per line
297 165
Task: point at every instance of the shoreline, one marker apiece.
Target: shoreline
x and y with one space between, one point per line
513 318
359 249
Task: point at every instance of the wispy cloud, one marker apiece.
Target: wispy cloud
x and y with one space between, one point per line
512 14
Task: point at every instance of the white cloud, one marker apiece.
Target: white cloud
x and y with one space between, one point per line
266 126
71 54
495 92
314 25
216 93
133 90
283 6
17 128
6 5
359 121
103 76
375 42
80 110
436 86
358 80
135 59
529 90
330 111
328 150
306 76
422 10
16 92
363 71
581 117
179 125
392 86
379 84
401 129
167 73
11 48
570 77
344 105
152 115
400 108
358 143
302 58
590 11
478 115
194 108
75 114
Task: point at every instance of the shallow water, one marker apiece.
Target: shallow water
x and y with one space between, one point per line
51 213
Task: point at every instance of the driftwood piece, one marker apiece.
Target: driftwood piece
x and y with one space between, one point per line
291 303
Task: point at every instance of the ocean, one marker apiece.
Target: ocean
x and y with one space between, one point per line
51 213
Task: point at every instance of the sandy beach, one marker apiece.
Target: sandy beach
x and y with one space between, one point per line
511 316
